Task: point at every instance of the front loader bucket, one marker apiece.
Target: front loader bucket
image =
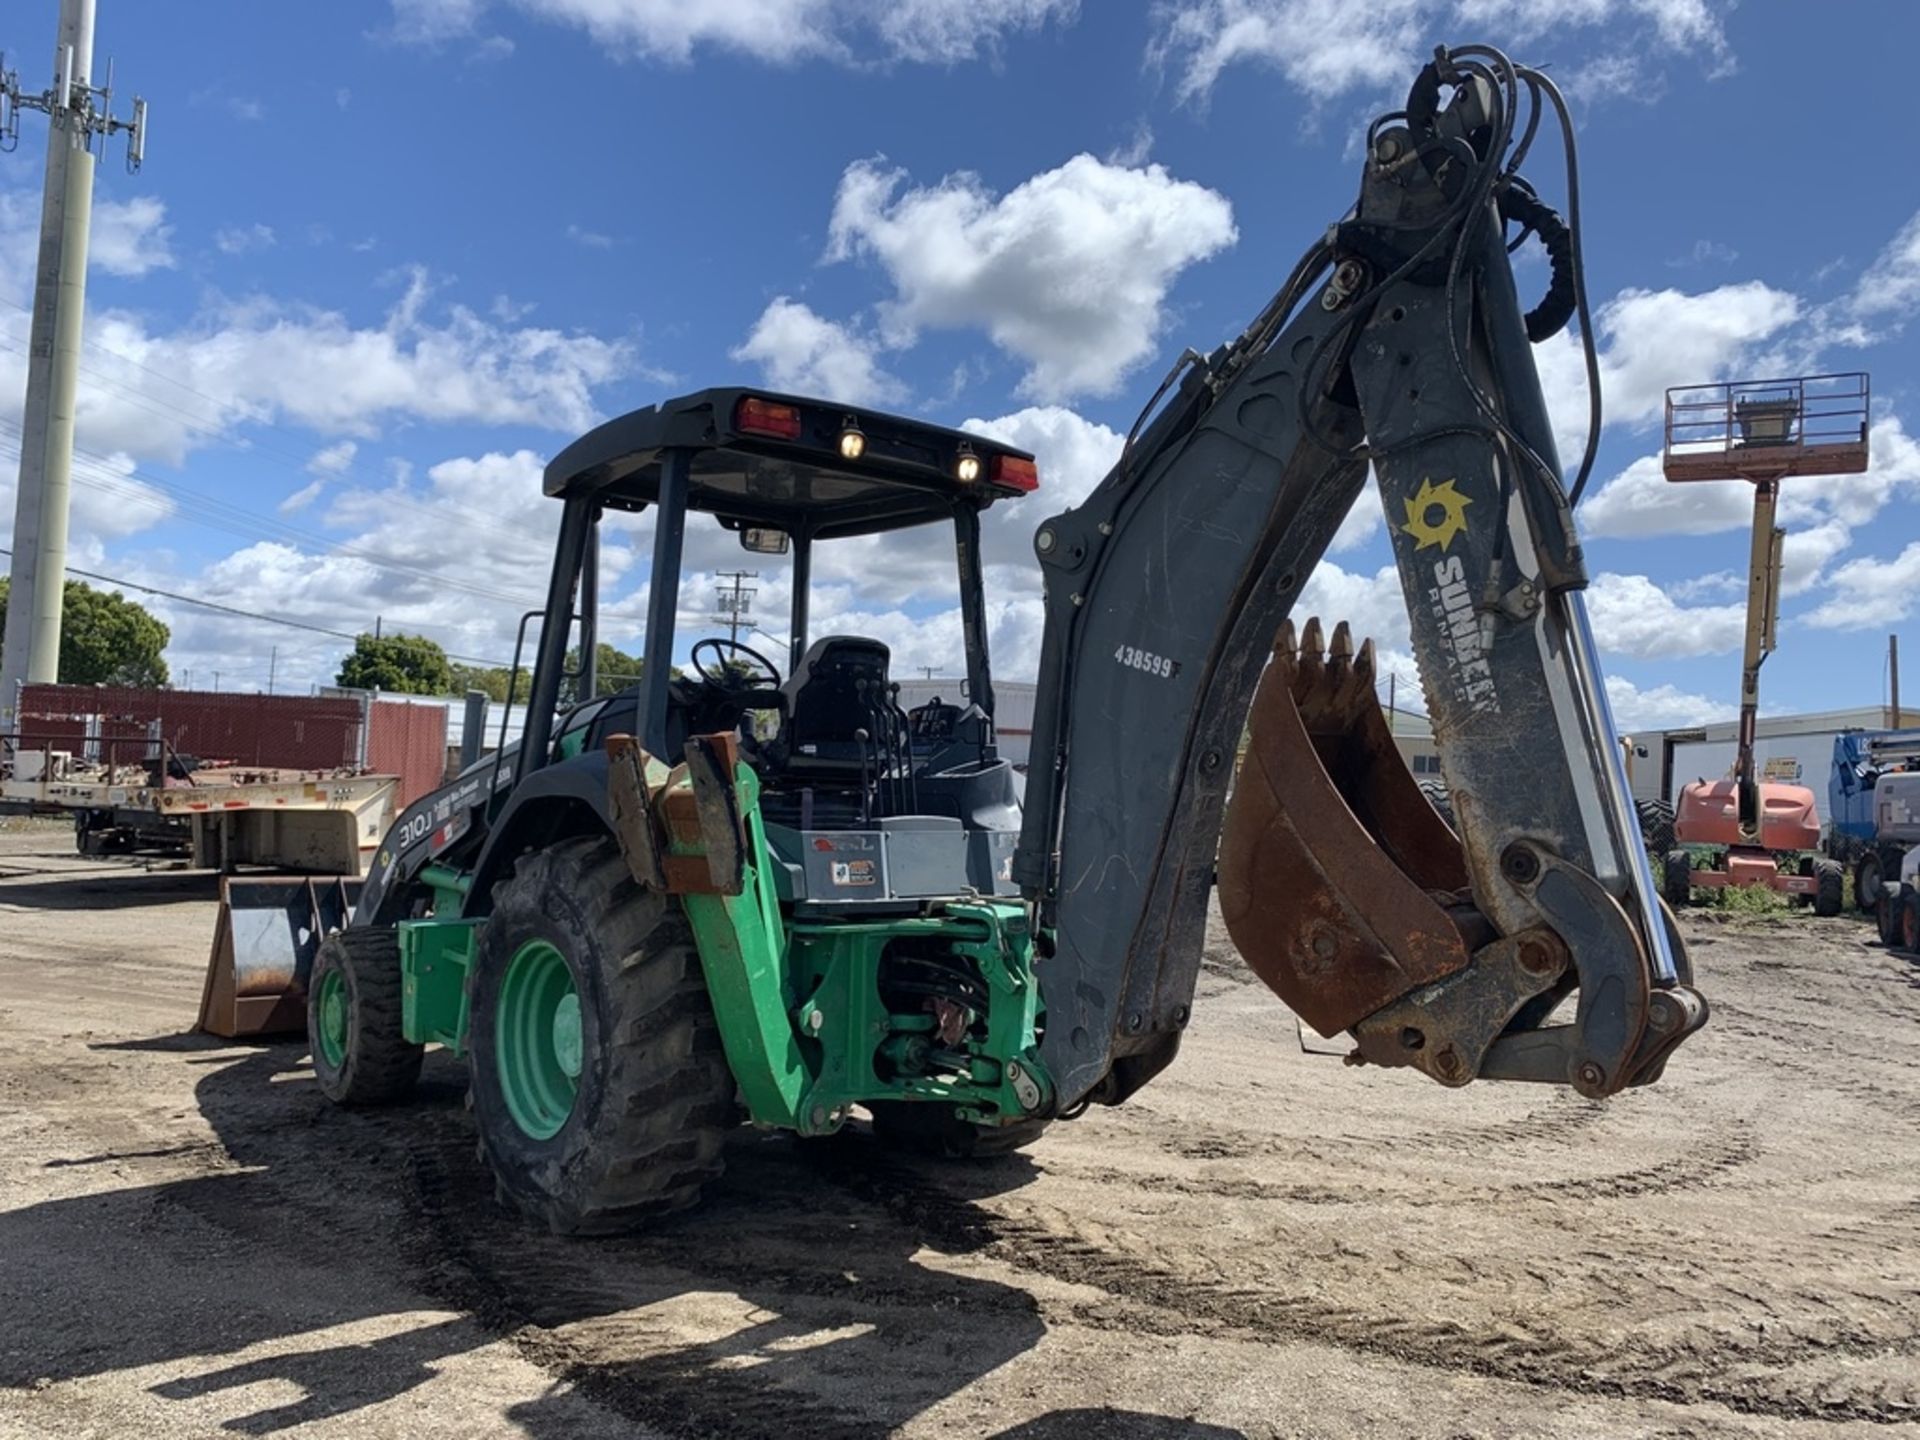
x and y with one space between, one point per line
264 942
1341 886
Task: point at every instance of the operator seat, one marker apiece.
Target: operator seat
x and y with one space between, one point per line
827 702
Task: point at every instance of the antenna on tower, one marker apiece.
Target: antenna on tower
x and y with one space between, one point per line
79 113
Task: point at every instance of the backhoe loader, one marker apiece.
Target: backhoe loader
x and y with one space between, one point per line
761 889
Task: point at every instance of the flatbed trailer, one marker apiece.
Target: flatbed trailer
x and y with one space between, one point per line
327 822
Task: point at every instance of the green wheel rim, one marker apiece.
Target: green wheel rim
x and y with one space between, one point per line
331 1005
537 1039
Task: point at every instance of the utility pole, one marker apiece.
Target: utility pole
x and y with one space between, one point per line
78 113
273 664
1893 672
735 600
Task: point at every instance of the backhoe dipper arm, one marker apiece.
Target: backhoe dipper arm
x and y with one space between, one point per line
1165 590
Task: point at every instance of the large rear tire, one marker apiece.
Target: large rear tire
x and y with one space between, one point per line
600 1089
360 1055
1909 907
1830 892
936 1129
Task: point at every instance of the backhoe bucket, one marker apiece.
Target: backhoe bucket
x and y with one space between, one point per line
1340 884
264 942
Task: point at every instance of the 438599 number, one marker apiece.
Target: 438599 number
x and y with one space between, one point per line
1146 661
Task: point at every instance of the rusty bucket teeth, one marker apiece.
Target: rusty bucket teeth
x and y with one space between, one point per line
1330 856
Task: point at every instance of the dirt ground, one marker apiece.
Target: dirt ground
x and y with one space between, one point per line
1265 1243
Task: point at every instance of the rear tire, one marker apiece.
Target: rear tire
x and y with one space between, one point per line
1867 882
360 1055
936 1129
1677 884
600 1089
1909 920
1830 891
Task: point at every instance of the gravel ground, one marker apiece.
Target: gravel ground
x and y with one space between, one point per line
1264 1243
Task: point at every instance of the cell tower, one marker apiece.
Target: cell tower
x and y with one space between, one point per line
80 121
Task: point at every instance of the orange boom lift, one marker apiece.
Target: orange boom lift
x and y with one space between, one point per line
1760 431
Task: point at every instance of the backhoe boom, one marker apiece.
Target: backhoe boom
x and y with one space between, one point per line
1401 343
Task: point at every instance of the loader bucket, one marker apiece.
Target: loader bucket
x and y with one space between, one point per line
264 942
1341 886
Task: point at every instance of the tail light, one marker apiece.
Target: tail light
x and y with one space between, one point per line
1014 473
754 416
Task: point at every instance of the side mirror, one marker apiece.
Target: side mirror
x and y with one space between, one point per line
764 542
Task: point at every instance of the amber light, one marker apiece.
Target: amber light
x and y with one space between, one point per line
1015 473
754 416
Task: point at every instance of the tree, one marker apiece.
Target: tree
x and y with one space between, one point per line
492 679
105 638
404 664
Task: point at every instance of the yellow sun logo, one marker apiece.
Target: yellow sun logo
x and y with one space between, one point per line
1436 514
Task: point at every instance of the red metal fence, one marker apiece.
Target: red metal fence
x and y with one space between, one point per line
284 732
409 741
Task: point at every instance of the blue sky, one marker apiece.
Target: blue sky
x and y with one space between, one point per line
384 259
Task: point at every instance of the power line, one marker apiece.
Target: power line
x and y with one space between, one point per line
253 615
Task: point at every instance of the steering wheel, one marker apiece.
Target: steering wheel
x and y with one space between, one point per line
730 652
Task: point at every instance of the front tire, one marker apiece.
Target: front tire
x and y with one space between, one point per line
1867 882
360 1054
1886 916
599 1086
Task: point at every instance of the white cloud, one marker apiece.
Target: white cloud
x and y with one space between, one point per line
109 501
242 239
1363 522
1069 271
1891 285
301 498
1654 339
1660 707
1325 48
1641 502
1805 554
1870 593
1072 454
427 22
1634 616
941 32
130 237
802 352
947 32
334 459
156 395
589 239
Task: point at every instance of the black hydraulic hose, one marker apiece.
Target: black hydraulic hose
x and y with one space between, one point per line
1577 269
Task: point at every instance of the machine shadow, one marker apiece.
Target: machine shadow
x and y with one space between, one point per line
88 887
833 1322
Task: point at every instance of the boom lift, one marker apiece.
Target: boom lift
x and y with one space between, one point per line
654 913
1760 431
